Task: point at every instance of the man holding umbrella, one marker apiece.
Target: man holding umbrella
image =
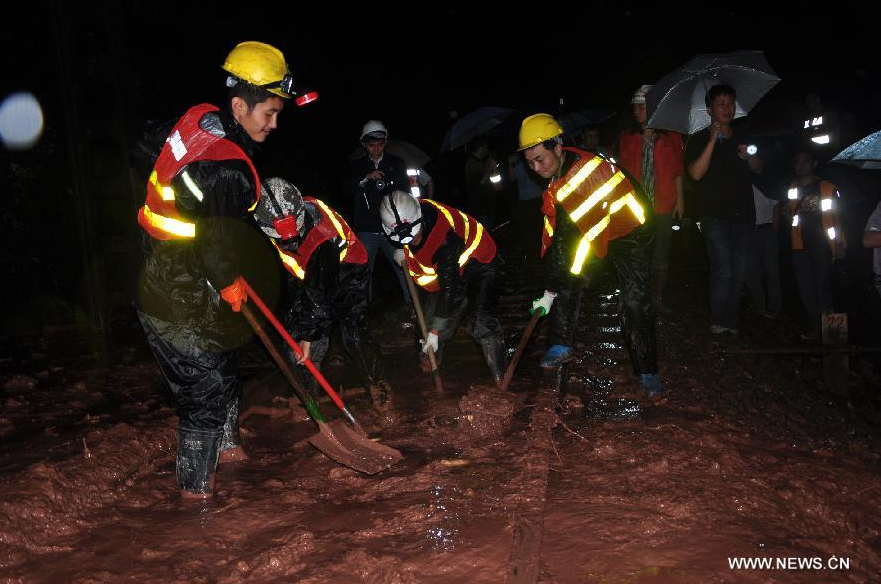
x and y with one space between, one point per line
722 163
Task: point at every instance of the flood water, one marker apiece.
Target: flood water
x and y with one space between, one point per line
748 457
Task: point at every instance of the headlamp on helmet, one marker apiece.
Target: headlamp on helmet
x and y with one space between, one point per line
401 217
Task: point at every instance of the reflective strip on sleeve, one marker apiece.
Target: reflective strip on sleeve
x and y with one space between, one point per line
191 184
169 225
580 255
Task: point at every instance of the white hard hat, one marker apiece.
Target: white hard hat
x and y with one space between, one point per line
401 217
374 129
639 94
281 211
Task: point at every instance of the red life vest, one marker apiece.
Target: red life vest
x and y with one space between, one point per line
187 143
599 199
479 244
329 226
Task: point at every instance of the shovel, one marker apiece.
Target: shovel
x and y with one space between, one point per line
335 439
509 372
420 316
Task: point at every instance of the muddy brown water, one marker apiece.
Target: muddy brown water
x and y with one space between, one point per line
748 457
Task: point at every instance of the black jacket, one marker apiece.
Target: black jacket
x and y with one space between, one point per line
181 280
332 291
478 281
367 197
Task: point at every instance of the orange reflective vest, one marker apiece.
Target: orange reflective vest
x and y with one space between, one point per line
479 244
330 225
829 214
187 143
599 199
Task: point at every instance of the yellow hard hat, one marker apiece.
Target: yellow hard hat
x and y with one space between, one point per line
261 65
538 128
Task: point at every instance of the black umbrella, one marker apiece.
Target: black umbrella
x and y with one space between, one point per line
412 155
676 102
576 120
473 125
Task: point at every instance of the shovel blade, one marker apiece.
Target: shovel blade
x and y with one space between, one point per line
343 445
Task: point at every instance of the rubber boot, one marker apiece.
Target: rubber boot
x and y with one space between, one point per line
556 355
197 452
494 353
230 448
382 394
651 385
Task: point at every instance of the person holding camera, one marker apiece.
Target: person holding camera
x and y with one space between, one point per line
373 176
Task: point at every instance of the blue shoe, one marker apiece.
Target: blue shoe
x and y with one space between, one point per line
556 356
651 384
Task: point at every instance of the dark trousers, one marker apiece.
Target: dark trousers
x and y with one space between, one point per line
359 347
374 242
813 273
728 246
477 299
763 279
631 257
205 383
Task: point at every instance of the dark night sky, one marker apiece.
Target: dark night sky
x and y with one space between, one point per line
369 62
123 63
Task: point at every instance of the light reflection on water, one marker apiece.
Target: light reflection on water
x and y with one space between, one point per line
441 536
609 329
606 345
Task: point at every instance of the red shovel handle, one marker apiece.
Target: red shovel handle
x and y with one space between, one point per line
296 348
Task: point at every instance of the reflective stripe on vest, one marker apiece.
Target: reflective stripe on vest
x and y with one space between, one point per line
466 220
592 192
426 276
169 225
186 144
829 218
290 262
478 244
351 250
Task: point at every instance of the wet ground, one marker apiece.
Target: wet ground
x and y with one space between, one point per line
749 457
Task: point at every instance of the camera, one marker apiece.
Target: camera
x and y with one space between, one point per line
752 149
383 184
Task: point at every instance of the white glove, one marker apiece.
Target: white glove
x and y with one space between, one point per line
544 303
432 342
399 256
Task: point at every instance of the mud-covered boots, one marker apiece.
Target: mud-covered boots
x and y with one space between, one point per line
494 353
382 394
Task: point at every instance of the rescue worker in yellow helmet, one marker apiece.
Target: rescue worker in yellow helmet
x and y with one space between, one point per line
196 224
593 211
